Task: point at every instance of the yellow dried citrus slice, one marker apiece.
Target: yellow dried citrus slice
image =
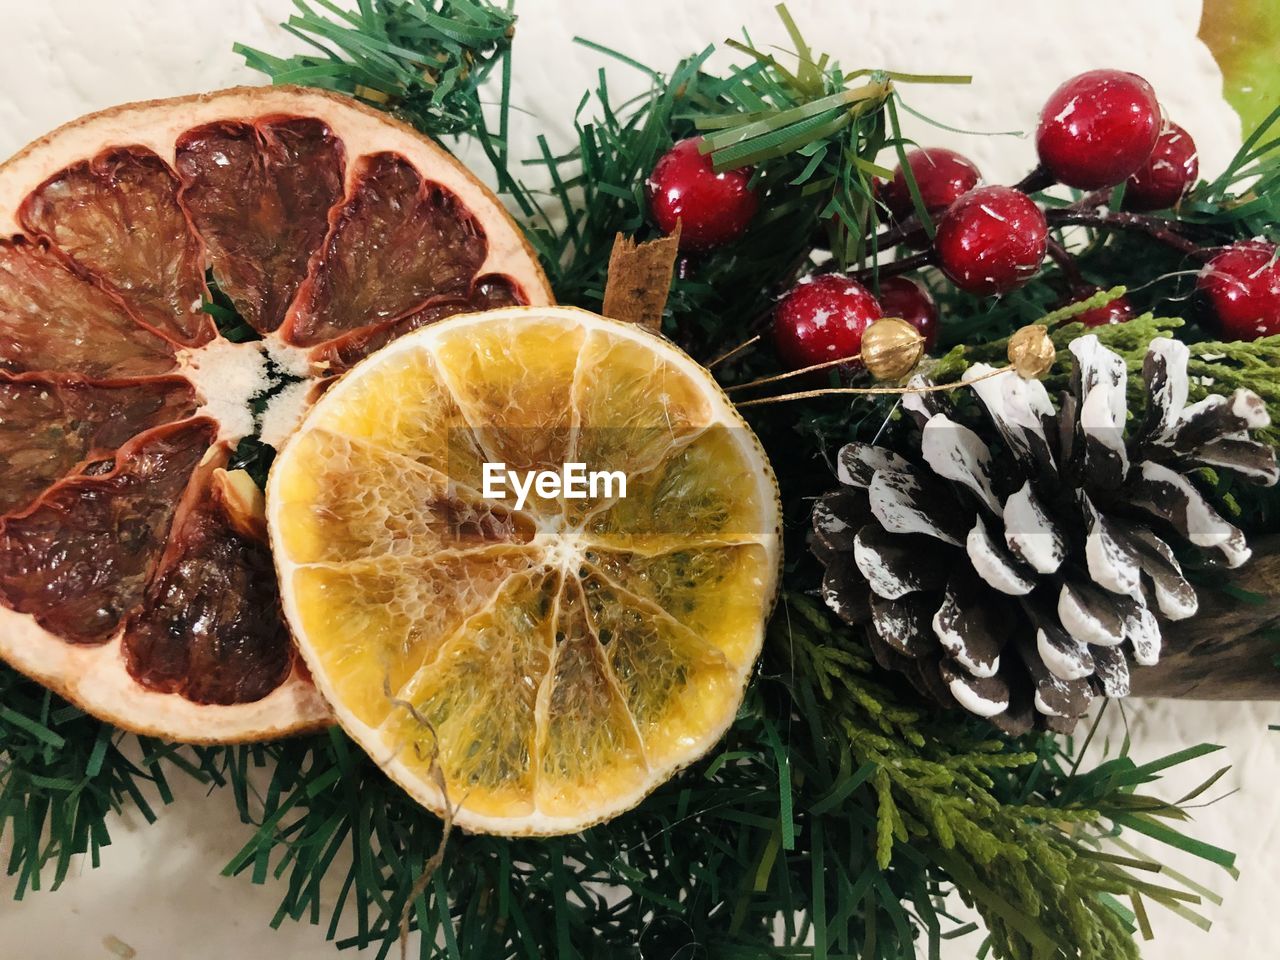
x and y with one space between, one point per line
538 663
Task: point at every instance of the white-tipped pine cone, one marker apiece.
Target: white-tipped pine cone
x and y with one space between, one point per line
1018 572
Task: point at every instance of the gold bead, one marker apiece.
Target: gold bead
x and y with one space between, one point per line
1031 352
891 348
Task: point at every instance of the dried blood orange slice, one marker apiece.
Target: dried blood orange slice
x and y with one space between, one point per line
559 658
286 172
135 575
49 426
54 318
201 630
99 210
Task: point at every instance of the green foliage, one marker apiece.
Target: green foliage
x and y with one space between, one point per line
597 188
1244 201
1222 366
835 811
422 60
61 774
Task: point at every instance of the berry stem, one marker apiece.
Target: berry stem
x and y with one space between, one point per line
1038 179
880 270
1067 264
1092 201
1153 227
899 232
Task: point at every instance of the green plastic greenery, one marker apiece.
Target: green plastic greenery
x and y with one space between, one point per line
62 774
840 810
423 61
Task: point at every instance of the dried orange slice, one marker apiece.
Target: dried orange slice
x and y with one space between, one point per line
554 659
135 575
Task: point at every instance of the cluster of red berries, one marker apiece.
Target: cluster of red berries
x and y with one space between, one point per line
1097 130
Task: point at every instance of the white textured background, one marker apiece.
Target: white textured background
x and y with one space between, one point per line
159 890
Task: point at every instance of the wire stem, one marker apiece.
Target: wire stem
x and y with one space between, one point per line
825 365
728 354
873 391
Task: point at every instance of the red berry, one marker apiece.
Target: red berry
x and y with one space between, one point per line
1242 286
712 208
823 318
942 176
900 297
992 240
1098 128
1168 174
1119 310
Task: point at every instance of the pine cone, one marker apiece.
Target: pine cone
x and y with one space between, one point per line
1017 570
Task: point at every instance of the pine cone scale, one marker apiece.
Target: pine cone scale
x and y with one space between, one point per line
895 565
905 625
1171 497
1065 657
910 502
983 696
1031 533
1089 616
996 564
969 630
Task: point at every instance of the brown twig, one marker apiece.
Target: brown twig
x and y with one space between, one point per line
1092 201
922 259
1059 254
1038 179
1153 227
902 230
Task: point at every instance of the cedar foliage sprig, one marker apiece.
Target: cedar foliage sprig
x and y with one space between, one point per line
837 806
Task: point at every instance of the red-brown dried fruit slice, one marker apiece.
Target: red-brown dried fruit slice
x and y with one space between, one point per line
208 628
118 215
54 320
78 559
399 242
114 384
259 194
48 426
487 293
